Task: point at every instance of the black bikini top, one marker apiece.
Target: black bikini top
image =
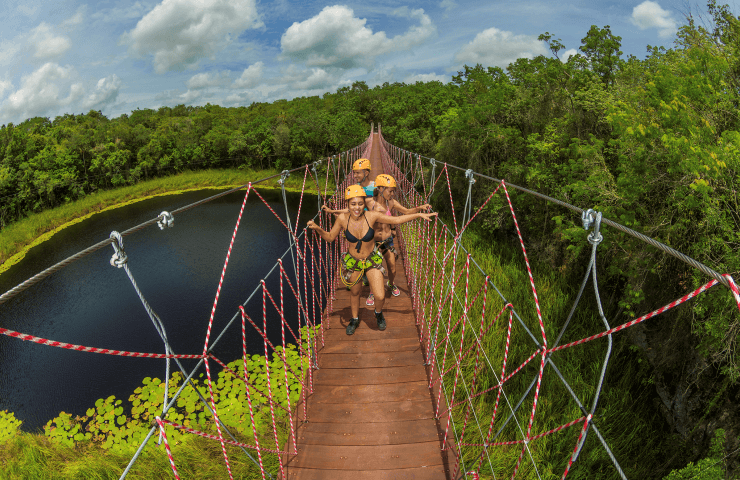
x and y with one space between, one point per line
367 238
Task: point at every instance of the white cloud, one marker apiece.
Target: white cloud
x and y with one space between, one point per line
8 51
447 4
207 80
123 13
179 33
250 77
105 93
243 98
5 85
316 78
306 79
75 19
427 77
568 54
46 44
27 10
650 15
172 97
494 47
43 93
335 38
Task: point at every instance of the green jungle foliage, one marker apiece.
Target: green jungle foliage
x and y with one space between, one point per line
710 468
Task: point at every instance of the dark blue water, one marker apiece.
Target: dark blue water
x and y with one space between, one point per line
94 304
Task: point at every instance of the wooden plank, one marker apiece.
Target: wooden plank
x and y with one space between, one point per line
378 433
373 346
435 472
372 412
367 457
369 331
368 376
370 393
378 360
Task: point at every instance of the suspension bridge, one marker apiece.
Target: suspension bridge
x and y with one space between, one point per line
452 389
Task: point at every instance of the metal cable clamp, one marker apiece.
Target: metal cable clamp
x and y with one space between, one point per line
165 220
592 217
283 176
119 258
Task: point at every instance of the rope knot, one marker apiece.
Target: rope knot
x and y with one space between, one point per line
119 258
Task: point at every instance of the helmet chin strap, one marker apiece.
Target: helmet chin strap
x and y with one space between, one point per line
363 178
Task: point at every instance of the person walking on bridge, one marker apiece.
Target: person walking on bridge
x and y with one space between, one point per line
358 225
361 174
384 202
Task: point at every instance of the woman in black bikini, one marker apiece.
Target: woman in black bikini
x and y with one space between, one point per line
362 257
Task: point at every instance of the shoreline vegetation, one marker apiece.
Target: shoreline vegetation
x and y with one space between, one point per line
21 236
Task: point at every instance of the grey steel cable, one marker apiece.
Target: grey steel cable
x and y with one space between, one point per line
651 241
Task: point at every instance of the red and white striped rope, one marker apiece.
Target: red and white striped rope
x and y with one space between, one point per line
223 271
82 348
214 437
167 447
245 360
267 368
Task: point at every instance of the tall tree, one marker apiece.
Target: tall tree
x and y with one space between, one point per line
601 48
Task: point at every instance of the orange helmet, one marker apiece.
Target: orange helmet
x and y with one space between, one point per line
361 164
385 180
354 191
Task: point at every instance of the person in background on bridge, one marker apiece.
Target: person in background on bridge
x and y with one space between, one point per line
384 202
358 224
361 173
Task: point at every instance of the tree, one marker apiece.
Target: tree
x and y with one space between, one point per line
601 48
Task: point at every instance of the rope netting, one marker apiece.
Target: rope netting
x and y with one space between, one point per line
307 279
486 355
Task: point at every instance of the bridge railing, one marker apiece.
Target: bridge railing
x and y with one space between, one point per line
493 354
304 275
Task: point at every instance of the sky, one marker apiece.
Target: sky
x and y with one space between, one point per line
115 56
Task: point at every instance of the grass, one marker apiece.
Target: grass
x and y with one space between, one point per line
17 238
32 456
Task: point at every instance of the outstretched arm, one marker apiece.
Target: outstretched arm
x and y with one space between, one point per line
330 235
336 213
396 205
383 218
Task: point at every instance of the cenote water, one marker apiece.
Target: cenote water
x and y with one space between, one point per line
91 303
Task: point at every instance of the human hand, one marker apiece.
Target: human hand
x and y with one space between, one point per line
310 224
428 216
424 207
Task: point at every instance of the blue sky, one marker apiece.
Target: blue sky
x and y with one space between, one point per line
119 55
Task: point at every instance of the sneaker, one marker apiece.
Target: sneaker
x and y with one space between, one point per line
353 324
380 319
394 290
370 300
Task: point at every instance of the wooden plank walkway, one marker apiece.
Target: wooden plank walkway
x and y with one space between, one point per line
371 415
